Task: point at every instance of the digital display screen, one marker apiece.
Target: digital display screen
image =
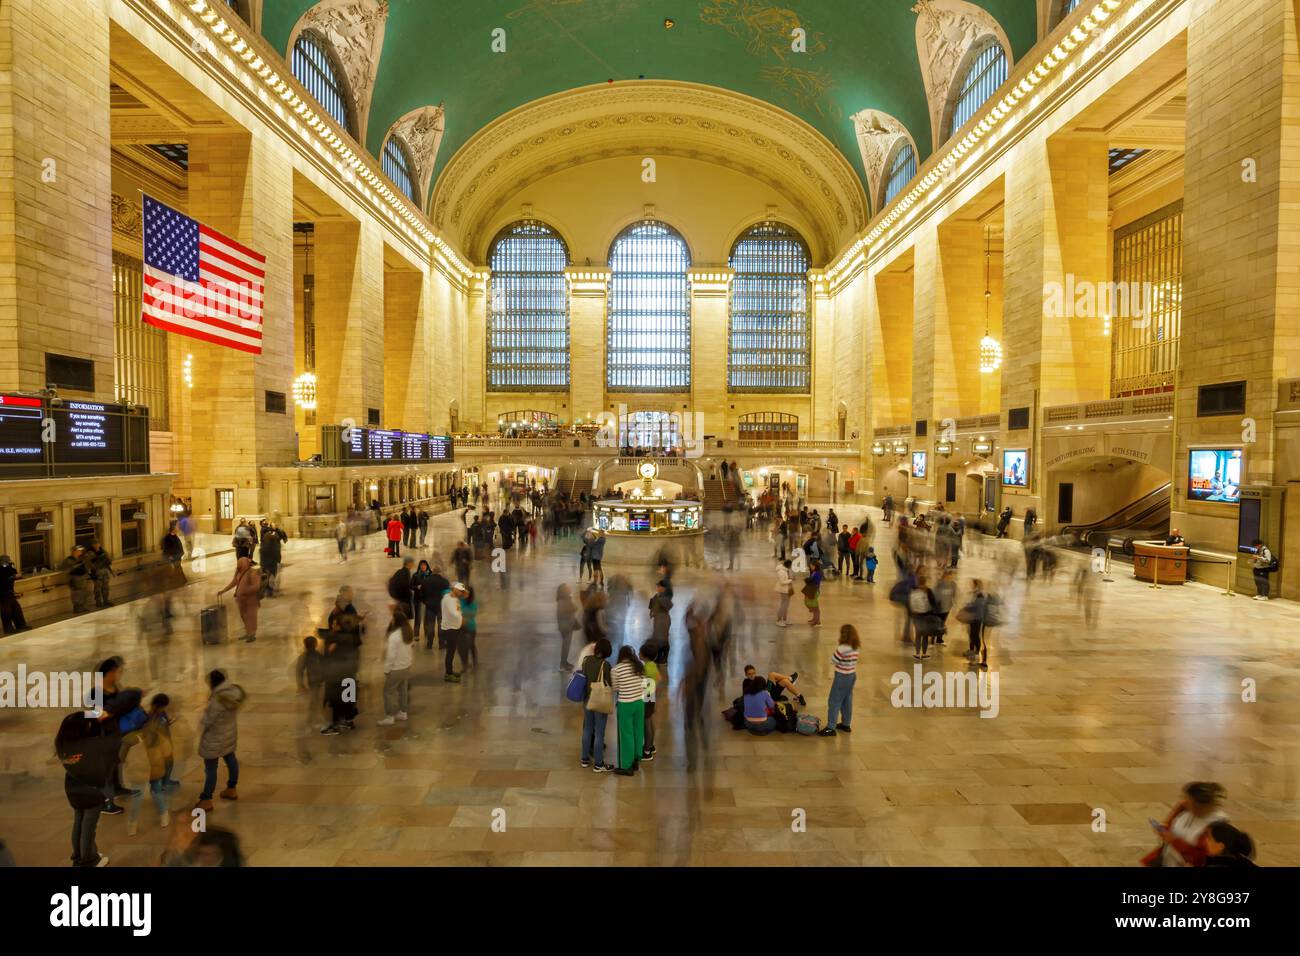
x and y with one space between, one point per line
88 438
1214 474
380 445
21 452
88 433
1248 525
640 521
1015 468
918 464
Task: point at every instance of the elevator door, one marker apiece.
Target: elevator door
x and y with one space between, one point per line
950 486
1065 502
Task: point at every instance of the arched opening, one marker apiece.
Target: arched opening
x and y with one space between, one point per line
648 332
985 71
769 340
768 426
528 317
650 432
399 167
899 171
317 68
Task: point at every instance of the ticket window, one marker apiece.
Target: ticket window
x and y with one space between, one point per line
86 523
35 543
132 529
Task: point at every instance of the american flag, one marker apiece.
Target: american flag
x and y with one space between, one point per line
200 283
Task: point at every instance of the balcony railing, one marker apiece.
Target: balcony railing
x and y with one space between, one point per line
794 444
1137 407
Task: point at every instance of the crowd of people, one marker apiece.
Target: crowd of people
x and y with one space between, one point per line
621 670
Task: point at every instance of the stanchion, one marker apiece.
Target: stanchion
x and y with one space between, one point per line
1232 575
1155 574
1105 576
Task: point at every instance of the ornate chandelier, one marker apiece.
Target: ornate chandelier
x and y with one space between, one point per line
990 348
304 391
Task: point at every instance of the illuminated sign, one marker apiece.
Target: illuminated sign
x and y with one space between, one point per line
382 446
84 438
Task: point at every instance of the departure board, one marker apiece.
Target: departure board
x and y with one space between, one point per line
22 454
381 446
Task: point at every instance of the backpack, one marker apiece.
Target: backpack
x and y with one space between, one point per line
899 592
992 611
1272 565
786 718
808 724
577 687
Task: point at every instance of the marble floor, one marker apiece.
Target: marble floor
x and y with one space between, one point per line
1113 718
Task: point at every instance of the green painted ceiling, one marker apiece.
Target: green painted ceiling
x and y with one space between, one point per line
860 54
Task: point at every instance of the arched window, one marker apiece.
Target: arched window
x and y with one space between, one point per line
317 70
768 426
241 9
1068 7
770 347
987 71
398 167
639 431
528 319
648 336
901 170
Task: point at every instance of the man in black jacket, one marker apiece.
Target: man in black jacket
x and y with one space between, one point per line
88 749
434 588
268 553
409 524
400 590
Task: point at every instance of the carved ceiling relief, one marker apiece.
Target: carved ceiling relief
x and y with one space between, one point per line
945 30
519 154
791 151
126 217
878 133
354 30
421 131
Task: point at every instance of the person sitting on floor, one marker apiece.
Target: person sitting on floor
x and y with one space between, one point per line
759 708
778 684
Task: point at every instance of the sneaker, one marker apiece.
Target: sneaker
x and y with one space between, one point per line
584 764
249 638
165 820
794 677
938 640
925 657
125 792
623 773
802 702
112 809
103 861
653 751
916 657
647 755
229 794
386 722
402 716
132 828
844 727
330 731
602 768
451 678
782 624
205 805
826 732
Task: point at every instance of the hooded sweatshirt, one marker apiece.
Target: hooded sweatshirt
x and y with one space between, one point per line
219 732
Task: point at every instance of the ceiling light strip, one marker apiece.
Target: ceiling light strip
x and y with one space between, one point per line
997 116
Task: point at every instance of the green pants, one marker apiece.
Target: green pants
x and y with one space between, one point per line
631 732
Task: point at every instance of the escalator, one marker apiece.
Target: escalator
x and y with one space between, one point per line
1140 520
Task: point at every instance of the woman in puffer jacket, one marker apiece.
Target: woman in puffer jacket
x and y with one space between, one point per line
218 736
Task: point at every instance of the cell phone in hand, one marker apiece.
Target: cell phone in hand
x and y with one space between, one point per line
1155 824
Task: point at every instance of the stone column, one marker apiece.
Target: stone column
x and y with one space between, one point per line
474 412
349 321
1055 243
56 290
710 315
1240 285
242 186
406 364
588 288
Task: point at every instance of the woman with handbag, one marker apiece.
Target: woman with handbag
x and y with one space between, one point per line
784 588
597 705
812 587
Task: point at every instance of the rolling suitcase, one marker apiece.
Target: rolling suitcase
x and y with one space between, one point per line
212 623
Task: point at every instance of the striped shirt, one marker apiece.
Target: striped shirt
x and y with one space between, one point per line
845 660
627 683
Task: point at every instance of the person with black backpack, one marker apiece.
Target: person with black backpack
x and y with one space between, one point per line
1263 565
88 749
401 589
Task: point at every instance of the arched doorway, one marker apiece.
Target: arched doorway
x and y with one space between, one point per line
649 431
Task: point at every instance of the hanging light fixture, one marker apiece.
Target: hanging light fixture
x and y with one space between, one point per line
990 348
304 391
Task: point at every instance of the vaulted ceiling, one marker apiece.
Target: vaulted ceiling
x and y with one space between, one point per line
860 55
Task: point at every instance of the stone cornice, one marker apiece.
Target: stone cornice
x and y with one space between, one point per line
1082 45
219 43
